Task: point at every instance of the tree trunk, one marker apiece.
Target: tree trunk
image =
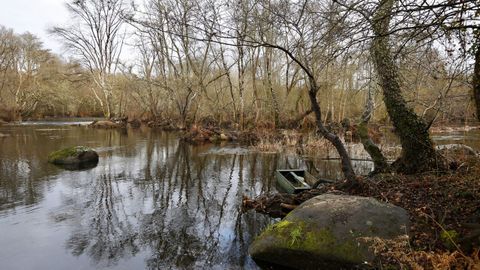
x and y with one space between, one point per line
418 153
241 85
346 162
230 83
268 67
476 74
379 161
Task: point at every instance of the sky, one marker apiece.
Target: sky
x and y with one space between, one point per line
35 16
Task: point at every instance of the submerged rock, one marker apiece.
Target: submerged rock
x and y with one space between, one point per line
77 157
330 232
106 124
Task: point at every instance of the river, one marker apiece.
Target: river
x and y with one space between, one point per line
152 202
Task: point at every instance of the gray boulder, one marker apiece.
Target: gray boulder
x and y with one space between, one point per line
330 232
77 155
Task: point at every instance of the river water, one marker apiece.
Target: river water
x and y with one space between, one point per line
152 202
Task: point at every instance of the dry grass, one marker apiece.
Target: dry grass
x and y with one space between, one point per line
292 141
398 254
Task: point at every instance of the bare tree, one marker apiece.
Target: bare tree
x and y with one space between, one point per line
304 43
8 50
96 36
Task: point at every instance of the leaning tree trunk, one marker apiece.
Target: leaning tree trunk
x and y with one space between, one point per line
418 153
476 74
379 161
346 162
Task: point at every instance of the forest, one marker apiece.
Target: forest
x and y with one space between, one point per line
219 70
247 63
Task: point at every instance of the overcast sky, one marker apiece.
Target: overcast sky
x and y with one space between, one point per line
34 16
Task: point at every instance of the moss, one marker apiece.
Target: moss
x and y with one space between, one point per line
67 152
298 236
295 235
282 224
449 238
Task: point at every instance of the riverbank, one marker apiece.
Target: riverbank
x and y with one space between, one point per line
444 213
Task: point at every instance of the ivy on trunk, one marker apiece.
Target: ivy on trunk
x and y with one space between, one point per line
418 153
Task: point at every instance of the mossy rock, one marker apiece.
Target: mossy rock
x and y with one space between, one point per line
74 156
329 232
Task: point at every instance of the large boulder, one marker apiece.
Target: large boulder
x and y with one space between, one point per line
74 157
330 232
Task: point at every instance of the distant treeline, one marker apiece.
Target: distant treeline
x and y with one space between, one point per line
185 74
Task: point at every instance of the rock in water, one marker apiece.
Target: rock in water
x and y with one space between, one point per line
105 124
74 156
330 232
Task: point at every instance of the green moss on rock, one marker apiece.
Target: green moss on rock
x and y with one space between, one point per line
327 232
73 155
299 238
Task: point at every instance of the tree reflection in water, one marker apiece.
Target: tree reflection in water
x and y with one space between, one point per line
196 221
152 201
181 206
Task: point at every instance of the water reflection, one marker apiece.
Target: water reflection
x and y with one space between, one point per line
150 197
152 202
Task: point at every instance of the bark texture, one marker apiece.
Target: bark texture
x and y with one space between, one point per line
476 74
418 153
